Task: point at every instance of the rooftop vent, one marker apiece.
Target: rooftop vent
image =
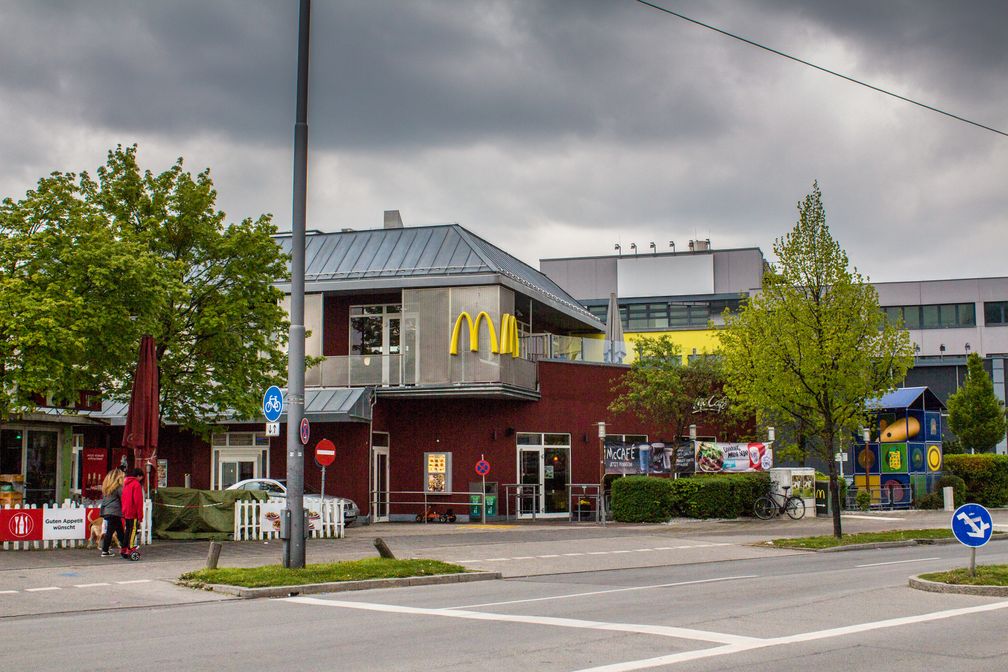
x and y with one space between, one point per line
393 220
699 245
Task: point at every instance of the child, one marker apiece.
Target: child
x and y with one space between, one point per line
132 510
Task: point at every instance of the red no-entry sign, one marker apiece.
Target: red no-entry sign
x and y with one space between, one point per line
325 452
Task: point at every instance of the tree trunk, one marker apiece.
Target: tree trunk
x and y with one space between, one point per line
834 486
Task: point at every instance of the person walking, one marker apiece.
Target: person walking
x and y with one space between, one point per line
132 510
111 510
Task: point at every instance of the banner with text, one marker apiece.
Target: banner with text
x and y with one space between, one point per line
713 457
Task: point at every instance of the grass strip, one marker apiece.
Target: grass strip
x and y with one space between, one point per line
354 570
829 541
986 575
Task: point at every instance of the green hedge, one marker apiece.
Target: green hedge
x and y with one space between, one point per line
644 499
936 499
986 476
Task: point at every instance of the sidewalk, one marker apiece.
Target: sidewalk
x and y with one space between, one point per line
440 541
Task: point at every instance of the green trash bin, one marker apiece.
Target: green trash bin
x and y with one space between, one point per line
491 505
474 506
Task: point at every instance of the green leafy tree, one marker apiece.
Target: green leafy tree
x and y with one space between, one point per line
92 263
976 415
813 345
660 389
68 287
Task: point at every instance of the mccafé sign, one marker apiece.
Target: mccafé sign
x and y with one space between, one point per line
508 333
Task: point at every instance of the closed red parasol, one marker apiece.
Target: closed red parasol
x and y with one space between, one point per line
143 417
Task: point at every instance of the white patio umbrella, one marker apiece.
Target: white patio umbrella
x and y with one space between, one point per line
615 346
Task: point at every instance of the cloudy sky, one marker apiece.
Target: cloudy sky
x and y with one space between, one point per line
551 127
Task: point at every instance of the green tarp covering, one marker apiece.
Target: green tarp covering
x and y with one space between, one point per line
184 513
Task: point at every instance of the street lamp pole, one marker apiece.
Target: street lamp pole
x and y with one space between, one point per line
294 544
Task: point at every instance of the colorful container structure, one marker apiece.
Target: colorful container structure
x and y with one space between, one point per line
902 460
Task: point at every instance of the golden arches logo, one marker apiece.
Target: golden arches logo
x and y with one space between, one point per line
508 333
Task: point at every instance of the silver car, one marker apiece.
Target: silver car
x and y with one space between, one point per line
278 488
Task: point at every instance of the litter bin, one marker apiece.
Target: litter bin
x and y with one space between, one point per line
491 505
474 506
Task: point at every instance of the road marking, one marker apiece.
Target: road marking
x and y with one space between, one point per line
524 557
666 631
571 555
611 590
598 552
613 552
552 555
740 647
7 592
123 583
857 517
90 585
897 562
39 590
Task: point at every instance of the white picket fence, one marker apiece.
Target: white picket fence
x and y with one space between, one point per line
145 529
250 521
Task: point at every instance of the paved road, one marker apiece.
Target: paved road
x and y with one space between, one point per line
786 612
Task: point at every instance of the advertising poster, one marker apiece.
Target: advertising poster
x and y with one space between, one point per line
715 457
93 470
627 459
45 524
270 514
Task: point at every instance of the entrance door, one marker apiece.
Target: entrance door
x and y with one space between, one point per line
234 468
380 478
530 475
40 467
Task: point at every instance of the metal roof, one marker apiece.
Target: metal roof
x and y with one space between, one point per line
321 405
905 397
422 256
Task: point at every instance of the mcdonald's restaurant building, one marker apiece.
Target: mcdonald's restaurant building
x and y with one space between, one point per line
437 350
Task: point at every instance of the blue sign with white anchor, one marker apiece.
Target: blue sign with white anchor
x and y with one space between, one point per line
972 525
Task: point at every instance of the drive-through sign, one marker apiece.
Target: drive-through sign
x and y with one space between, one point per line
972 525
272 403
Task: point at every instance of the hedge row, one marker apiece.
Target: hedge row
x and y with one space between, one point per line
986 476
645 499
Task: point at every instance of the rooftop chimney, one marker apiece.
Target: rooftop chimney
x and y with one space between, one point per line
393 220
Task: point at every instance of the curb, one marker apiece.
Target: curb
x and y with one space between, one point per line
936 587
892 544
344 586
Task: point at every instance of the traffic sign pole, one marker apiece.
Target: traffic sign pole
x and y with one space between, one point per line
972 525
483 509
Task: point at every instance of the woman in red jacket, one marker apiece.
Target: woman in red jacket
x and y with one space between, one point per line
132 509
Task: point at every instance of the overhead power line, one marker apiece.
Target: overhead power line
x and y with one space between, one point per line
819 67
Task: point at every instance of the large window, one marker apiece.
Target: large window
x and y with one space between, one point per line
663 315
995 312
933 315
374 330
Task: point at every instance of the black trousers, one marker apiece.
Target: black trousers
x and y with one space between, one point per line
113 526
132 530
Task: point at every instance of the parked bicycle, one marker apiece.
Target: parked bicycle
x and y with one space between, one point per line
772 504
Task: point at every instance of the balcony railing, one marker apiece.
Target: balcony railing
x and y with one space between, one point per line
390 371
567 348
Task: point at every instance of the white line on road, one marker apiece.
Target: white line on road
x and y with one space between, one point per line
553 555
897 562
39 590
611 590
90 585
857 517
123 583
7 592
739 647
666 631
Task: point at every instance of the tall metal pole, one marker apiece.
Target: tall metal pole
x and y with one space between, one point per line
294 545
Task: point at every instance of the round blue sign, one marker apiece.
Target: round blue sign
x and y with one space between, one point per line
272 403
482 467
305 431
972 525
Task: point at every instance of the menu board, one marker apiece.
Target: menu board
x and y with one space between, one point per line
437 472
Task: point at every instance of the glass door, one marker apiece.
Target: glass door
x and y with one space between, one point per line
530 475
380 478
390 358
40 467
234 468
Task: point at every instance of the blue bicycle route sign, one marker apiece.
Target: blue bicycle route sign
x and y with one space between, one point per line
272 403
972 525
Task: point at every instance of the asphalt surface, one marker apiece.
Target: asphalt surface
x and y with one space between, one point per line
687 595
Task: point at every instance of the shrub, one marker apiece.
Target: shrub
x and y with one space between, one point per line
863 500
985 477
641 499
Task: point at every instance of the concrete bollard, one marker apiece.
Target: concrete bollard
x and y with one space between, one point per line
383 549
213 555
949 498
